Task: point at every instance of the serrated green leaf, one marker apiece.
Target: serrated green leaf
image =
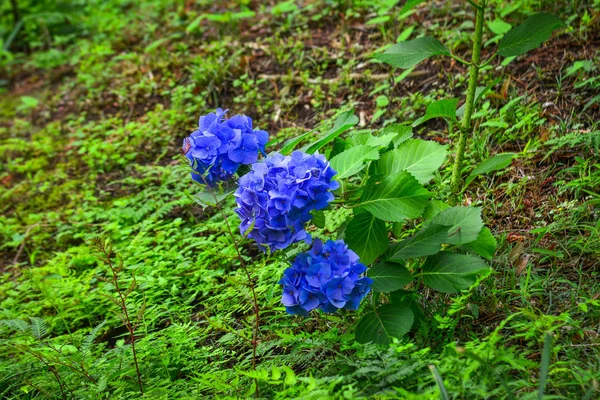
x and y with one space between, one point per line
411 52
397 197
451 272
345 121
352 161
388 277
367 138
465 223
445 108
495 163
419 157
426 242
402 132
529 35
484 245
384 323
367 236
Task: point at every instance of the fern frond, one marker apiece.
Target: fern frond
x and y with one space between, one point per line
39 327
15 324
89 340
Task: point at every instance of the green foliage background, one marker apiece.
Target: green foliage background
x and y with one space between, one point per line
95 102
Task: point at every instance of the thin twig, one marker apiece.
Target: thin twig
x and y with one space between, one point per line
355 76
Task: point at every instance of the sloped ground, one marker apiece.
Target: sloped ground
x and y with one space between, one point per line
91 124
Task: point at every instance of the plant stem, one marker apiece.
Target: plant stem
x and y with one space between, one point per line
127 321
465 126
250 282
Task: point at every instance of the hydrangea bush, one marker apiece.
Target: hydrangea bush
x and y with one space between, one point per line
276 197
382 176
219 146
329 277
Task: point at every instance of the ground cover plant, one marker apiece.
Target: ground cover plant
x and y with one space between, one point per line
329 189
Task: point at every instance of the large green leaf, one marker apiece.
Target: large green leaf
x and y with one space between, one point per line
397 197
529 35
484 245
465 223
379 141
411 52
426 242
451 272
495 163
367 236
388 276
445 108
419 157
403 133
345 121
384 323
353 160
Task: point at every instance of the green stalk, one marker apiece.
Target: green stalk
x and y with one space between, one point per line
465 126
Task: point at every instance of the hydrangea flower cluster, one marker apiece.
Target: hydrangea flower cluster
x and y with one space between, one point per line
276 197
329 277
219 146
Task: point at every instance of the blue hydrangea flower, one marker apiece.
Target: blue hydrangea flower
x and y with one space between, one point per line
276 197
329 277
219 146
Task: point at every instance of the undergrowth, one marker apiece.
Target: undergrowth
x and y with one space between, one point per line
95 102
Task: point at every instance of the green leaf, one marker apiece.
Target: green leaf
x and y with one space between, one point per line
388 277
498 26
434 208
451 272
419 157
426 242
212 197
465 222
495 163
378 20
318 218
529 35
397 197
195 23
352 161
445 108
339 146
39 327
410 4
384 323
345 121
367 138
284 8
290 144
367 236
484 245
30 102
402 132
411 52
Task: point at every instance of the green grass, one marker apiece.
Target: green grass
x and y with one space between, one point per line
93 111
